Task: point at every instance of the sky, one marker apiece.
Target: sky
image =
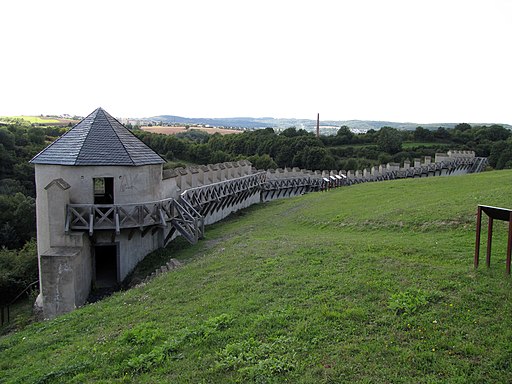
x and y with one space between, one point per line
422 61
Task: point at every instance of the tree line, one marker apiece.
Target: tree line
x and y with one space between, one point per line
265 148
19 142
346 150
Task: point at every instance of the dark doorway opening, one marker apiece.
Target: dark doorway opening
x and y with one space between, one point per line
106 266
103 190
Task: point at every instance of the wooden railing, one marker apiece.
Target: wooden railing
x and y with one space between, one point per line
180 215
91 217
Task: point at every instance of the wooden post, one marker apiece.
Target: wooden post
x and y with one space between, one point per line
477 242
489 242
509 246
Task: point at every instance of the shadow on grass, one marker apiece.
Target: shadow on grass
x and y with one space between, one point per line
155 260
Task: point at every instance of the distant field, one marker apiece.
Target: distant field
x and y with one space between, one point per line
413 144
175 130
405 145
41 120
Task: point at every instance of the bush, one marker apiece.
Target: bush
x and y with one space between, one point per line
18 268
17 220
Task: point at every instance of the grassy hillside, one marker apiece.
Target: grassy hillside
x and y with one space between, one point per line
371 283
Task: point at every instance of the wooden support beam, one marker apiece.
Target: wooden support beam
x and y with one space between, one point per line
509 245
478 230
489 242
91 222
68 217
145 231
162 217
116 216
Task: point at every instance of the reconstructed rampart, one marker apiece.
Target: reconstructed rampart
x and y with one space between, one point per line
154 205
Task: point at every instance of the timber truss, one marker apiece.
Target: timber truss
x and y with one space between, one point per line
186 214
140 216
471 165
212 198
279 188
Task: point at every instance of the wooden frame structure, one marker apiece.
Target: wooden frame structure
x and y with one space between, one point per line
186 214
493 213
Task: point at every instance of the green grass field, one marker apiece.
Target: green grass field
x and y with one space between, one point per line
372 283
38 120
414 144
35 119
406 145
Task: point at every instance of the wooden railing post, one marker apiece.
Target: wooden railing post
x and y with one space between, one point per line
116 217
91 220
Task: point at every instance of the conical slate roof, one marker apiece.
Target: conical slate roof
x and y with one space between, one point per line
99 139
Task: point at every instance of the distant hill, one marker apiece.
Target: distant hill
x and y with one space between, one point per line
307 124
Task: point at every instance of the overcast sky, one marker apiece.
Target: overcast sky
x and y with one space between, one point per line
423 61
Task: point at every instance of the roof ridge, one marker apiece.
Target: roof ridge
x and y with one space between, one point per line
88 131
107 115
134 135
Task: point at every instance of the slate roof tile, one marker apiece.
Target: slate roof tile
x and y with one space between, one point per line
98 139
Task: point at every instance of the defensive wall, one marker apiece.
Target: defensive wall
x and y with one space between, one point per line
84 244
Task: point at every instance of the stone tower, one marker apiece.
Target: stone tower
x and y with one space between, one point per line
100 197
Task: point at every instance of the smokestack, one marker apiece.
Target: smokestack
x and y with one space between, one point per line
317 125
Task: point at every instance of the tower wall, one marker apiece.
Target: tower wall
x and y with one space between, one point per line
66 260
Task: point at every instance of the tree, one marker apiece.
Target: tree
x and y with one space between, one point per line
493 133
505 159
422 134
262 162
7 139
18 213
462 127
195 135
314 158
344 135
389 140
18 268
290 132
442 134
219 157
501 155
200 153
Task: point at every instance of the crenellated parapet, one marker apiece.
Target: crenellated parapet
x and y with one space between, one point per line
196 176
461 154
214 191
451 163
